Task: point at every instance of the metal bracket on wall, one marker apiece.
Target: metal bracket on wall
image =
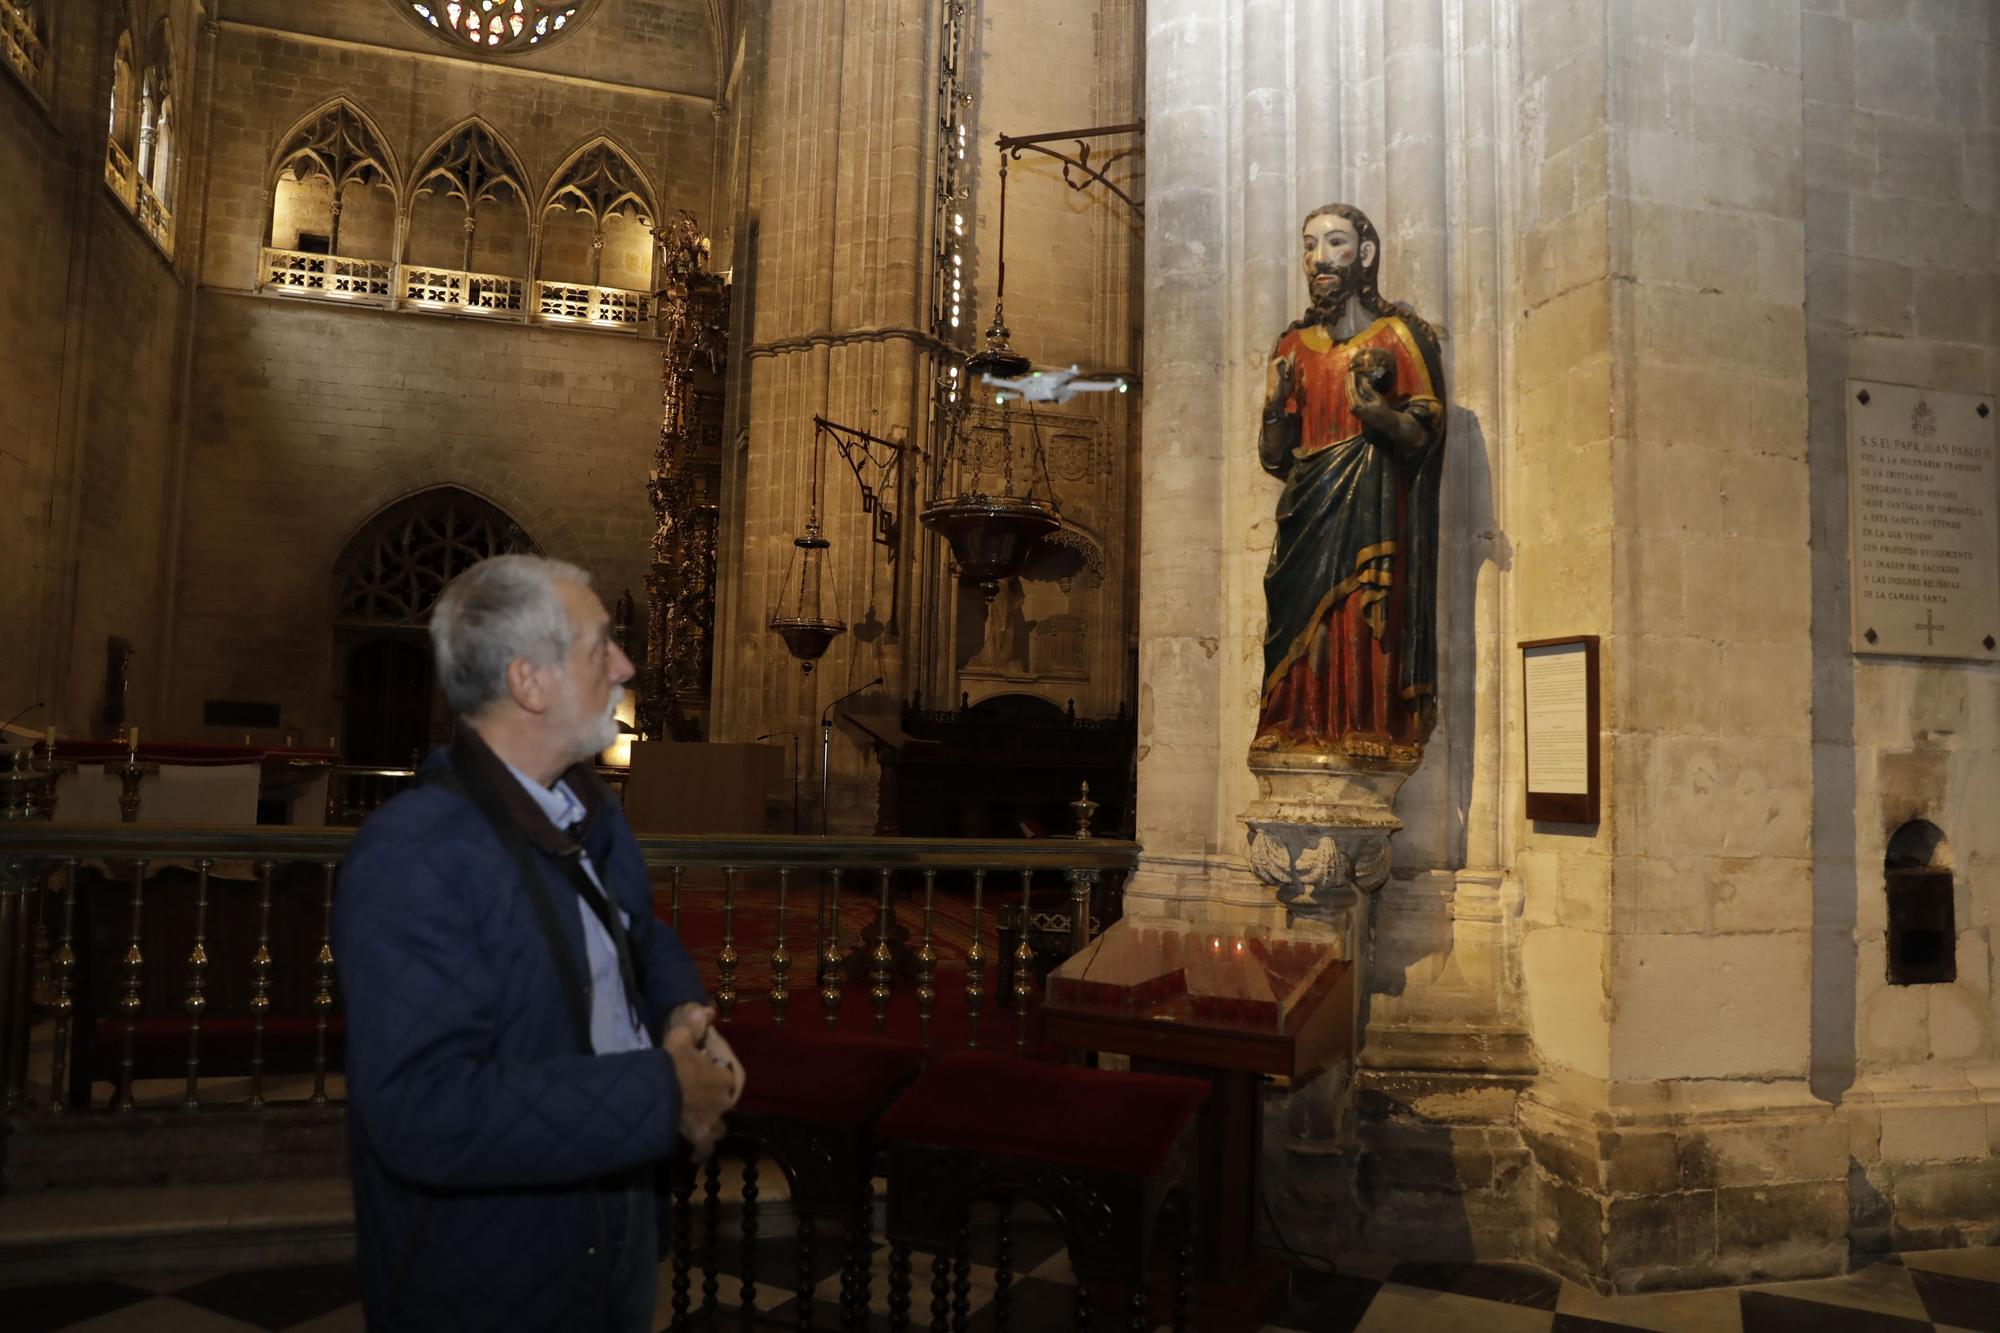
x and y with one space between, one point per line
1013 145
875 463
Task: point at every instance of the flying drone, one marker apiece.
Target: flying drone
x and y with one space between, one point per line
1053 386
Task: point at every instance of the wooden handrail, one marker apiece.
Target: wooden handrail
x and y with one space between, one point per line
34 840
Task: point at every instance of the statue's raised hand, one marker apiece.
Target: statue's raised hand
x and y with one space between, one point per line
1282 387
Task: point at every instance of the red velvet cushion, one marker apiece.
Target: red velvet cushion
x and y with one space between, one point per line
818 1076
1065 1114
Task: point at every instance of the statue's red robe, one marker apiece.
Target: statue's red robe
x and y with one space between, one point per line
1350 643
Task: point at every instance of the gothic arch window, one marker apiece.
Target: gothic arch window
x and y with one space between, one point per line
467 226
334 187
124 95
497 27
398 563
597 221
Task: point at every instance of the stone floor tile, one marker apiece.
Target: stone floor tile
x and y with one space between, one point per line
1576 1323
1764 1312
1400 1309
1959 1301
1884 1288
162 1314
1982 1265
1328 1302
347 1319
54 1305
1659 1312
276 1298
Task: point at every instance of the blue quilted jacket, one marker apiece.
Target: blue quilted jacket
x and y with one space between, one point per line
485 1147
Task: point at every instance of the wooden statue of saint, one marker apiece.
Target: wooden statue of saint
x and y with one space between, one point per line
1354 423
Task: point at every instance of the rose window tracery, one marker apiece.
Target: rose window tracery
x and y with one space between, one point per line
498 26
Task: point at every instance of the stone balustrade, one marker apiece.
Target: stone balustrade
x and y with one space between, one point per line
423 287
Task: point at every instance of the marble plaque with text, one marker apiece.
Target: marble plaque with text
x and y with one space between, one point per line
1923 521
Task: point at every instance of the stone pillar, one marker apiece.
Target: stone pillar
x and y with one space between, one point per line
1258 112
832 264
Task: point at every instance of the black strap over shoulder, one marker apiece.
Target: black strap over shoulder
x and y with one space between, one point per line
465 778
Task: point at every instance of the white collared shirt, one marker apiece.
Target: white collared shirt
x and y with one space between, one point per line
613 1025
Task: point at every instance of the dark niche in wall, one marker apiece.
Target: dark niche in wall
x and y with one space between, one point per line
1923 935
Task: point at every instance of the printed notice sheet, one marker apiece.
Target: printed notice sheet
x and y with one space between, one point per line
1559 736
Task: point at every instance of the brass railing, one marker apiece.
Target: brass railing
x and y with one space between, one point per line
132 922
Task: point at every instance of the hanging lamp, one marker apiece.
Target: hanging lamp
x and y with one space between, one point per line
798 618
991 535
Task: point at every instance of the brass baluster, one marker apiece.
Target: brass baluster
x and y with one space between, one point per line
725 962
16 878
64 1004
1080 884
197 996
323 999
260 982
135 975
674 900
975 960
829 958
1024 964
927 961
883 960
781 958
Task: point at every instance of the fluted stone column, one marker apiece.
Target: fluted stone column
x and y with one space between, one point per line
832 259
1259 111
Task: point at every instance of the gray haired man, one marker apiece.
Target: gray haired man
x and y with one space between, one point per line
527 1043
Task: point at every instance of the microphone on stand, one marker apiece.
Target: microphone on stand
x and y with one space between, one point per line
826 743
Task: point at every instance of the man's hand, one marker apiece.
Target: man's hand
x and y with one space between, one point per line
707 1091
695 1016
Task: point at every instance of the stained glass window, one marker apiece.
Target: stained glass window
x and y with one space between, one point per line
498 25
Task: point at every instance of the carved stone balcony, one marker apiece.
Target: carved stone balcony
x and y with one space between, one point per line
154 217
420 287
472 293
119 173
575 303
333 277
21 45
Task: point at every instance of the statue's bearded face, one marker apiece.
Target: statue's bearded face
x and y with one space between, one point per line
1333 258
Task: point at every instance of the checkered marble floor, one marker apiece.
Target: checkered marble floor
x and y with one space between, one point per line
1941 1290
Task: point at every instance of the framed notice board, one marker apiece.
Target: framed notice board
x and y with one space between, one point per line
1559 688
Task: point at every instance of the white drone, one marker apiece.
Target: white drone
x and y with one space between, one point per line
1053 386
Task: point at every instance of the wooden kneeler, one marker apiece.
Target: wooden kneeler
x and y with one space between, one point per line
810 1104
1106 1154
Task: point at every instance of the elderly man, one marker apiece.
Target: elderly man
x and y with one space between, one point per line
526 1041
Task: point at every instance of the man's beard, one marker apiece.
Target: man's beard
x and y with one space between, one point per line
1328 302
594 735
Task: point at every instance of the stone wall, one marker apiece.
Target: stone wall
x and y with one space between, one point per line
1902 179
307 419
1655 1051
93 353
274 73
313 418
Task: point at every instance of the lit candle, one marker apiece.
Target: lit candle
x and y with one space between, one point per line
50 740
132 739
